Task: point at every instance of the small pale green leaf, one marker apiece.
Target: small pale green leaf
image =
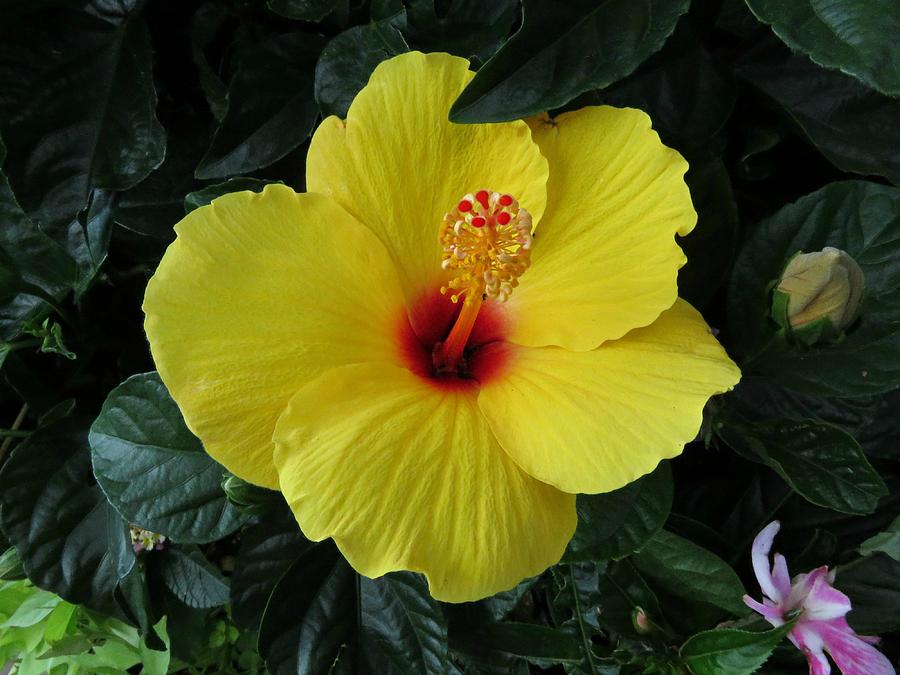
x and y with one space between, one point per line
731 651
563 49
154 470
859 37
35 609
887 542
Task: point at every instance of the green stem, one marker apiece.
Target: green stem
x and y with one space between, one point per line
15 427
13 433
24 344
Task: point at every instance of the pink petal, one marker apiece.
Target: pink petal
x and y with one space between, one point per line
780 576
824 601
759 554
803 584
773 615
808 641
818 663
851 654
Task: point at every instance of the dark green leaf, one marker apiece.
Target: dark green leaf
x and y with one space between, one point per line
710 248
404 630
195 200
153 470
205 25
271 109
267 551
853 126
193 580
36 259
501 604
729 650
309 626
467 28
88 237
12 8
562 50
887 542
77 110
153 206
304 10
869 419
820 461
32 265
687 93
322 617
873 586
580 596
860 218
348 60
859 38
615 524
70 540
691 572
540 645
622 590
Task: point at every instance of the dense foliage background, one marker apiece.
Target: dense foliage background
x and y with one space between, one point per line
118 116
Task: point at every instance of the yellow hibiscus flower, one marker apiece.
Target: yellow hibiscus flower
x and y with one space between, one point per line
313 343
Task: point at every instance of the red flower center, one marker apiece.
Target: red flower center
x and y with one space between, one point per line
428 323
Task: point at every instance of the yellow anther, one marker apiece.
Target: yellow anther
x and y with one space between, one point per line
486 241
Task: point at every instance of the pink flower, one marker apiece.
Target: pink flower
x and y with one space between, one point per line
819 609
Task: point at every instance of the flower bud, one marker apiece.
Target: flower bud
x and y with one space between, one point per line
818 295
250 499
641 621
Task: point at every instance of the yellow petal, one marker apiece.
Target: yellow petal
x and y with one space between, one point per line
595 421
604 259
406 476
259 294
399 165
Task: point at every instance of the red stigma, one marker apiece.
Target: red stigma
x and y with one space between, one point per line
478 221
506 200
464 205
503 218
482 197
